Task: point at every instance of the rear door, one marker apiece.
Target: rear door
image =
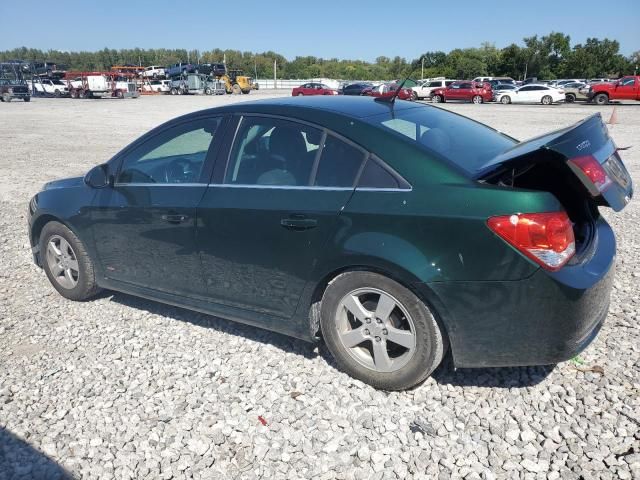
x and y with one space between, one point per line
264 221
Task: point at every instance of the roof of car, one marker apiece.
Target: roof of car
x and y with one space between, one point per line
350 106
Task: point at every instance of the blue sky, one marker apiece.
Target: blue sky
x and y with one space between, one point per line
342 29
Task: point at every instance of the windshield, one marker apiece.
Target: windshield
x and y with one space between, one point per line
462 141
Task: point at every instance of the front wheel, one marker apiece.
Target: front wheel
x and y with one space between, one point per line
207 91
414 96
547 100
26 99
477 99
505 100
438 99
601 99
6 97
67 263
379 332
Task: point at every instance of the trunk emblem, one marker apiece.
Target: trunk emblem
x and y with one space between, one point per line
581 146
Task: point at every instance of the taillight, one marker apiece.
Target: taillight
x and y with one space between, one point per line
590 168
546 238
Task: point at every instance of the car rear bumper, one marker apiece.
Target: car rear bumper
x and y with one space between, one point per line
544 319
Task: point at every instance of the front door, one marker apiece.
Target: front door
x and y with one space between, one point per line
627 89
264 222
144 226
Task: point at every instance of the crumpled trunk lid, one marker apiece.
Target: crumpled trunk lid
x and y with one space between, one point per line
588 138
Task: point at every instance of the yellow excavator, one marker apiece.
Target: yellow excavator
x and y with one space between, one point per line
237 83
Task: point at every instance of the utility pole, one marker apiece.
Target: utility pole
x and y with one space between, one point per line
275 66
422 75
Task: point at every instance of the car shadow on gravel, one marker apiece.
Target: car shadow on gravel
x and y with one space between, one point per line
18 459
256 334
503 377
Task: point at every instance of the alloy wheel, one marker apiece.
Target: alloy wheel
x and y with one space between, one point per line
376 330
62 262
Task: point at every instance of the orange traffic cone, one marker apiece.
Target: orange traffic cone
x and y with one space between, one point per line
614 117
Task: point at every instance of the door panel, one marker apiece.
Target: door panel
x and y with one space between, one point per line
144 225
258 245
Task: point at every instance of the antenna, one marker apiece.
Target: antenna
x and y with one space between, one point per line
392 99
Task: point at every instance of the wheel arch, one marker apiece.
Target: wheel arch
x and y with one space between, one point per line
36 230
404 278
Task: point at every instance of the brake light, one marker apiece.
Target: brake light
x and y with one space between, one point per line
594 173
546 238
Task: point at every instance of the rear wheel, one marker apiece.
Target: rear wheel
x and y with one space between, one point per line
380 332
6 97
26 99
438 99
569 98
601 99
547 100
67 263
505 100
476 99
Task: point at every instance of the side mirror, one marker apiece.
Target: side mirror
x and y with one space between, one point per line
98 177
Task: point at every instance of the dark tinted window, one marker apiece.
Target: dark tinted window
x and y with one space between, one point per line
375 175
466 85
269 151
462 141
176 155
527 89
339 164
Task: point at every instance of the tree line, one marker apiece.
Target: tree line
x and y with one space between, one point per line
546 57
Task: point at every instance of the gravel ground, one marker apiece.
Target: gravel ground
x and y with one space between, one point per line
125 388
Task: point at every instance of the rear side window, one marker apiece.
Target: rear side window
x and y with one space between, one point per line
339 164
375 175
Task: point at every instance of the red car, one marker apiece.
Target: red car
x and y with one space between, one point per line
313 89
476 92
627 88
387 90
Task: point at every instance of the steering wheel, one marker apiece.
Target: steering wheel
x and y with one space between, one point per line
179 170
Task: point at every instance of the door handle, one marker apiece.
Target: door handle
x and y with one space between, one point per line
174 218
299 223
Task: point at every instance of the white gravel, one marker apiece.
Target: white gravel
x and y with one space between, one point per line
125 388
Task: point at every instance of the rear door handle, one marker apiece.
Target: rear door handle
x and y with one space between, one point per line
175 218
299 223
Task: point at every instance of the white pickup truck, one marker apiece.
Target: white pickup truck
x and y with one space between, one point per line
424 88
54 87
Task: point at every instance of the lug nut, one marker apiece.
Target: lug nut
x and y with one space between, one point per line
367 320
378 339
366 331
384 331
378 320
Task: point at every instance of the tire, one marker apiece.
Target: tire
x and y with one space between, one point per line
409 365
84 287
246 92
438 99
601 99
300 94
236 89
477 99
57 93
207 91
546 100
569 98
505 100
174 91
6 97
26 99
414 96
86 94
120 94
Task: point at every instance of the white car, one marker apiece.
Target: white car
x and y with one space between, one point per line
531 93
153 71
161 86
53 87
424 88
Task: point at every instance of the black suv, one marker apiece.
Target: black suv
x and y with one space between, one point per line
10 89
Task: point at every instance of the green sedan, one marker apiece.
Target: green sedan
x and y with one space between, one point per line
394 232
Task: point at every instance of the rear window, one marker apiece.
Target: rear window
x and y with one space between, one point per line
462 141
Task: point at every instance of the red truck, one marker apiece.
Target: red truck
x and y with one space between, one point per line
476 92
627 88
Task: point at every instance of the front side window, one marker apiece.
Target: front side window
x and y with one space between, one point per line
628 81
177 155
269 151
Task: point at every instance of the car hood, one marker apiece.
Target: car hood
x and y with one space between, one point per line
64 183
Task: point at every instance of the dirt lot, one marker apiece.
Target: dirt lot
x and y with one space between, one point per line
127 388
